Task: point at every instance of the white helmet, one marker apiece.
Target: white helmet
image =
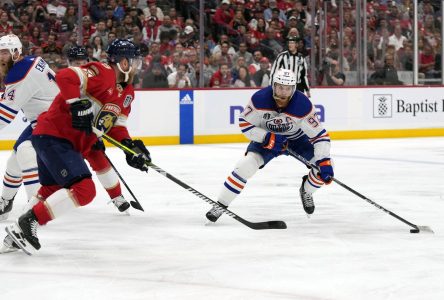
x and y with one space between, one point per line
284 77
12 43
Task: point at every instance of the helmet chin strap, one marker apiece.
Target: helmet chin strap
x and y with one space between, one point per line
126 73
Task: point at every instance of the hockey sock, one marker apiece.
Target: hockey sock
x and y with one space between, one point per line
236 181
110 181
64 200
11 184
12 179
27 160
313 183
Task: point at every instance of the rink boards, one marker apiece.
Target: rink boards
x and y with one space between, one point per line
210 115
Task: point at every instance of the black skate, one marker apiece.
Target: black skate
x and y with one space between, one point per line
5 208
306 198
24 232
215 213
121 204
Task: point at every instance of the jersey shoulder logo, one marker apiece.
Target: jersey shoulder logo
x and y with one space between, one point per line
107 117
127 101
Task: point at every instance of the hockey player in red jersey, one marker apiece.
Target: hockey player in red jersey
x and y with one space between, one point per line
90 95
78 56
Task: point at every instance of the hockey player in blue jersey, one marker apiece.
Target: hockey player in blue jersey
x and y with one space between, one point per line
29 87
278 117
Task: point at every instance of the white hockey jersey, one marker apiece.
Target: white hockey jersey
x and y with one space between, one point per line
261 116
29 86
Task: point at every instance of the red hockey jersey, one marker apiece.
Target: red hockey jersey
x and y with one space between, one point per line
111 105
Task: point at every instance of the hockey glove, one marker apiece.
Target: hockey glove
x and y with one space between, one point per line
82 115
325 170
141 159
275 142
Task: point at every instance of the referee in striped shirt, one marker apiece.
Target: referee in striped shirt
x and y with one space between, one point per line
294 61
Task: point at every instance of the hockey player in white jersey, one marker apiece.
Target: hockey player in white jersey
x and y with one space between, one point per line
278 117
30 87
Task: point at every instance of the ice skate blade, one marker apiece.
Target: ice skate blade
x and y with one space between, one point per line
308 216
5 249
15 232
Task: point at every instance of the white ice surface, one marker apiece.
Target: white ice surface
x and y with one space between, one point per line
348 249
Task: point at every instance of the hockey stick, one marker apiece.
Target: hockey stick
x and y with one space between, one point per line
135 204
416 228
252 225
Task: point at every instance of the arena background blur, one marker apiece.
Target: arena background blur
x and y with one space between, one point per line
372 42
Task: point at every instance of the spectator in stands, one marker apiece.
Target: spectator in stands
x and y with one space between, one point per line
98 11
406 58
153 10
98 47
151 30
57 7
69 20
101 32
262 76
243 53
223 16
51 46
397 39
224 38
272 4
427 61
155 77
332 72
187 37
271 46
71 42
27 45
222 77
118 11
167 25
386 73
5 24
179 79
243 79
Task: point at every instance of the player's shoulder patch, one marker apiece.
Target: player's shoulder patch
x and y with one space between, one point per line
263 99
299 106
20 69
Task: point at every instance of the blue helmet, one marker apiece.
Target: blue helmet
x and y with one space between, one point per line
121 48
77 53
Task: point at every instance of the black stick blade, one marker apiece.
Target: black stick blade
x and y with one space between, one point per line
136 205
264 225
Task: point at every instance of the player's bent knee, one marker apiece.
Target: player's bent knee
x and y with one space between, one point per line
249 165
26 156
83 191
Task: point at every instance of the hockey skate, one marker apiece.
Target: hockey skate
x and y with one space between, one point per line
24 233
121 204
214 214
8 245
306 198
5 208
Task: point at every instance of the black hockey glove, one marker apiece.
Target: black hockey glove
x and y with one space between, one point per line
142 159
82 115
99 146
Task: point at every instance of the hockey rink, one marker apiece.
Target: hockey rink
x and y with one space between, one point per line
348 249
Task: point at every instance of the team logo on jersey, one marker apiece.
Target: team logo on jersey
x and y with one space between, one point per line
278 125
382 106
127 101
107 117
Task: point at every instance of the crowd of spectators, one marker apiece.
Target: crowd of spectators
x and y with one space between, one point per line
242 37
